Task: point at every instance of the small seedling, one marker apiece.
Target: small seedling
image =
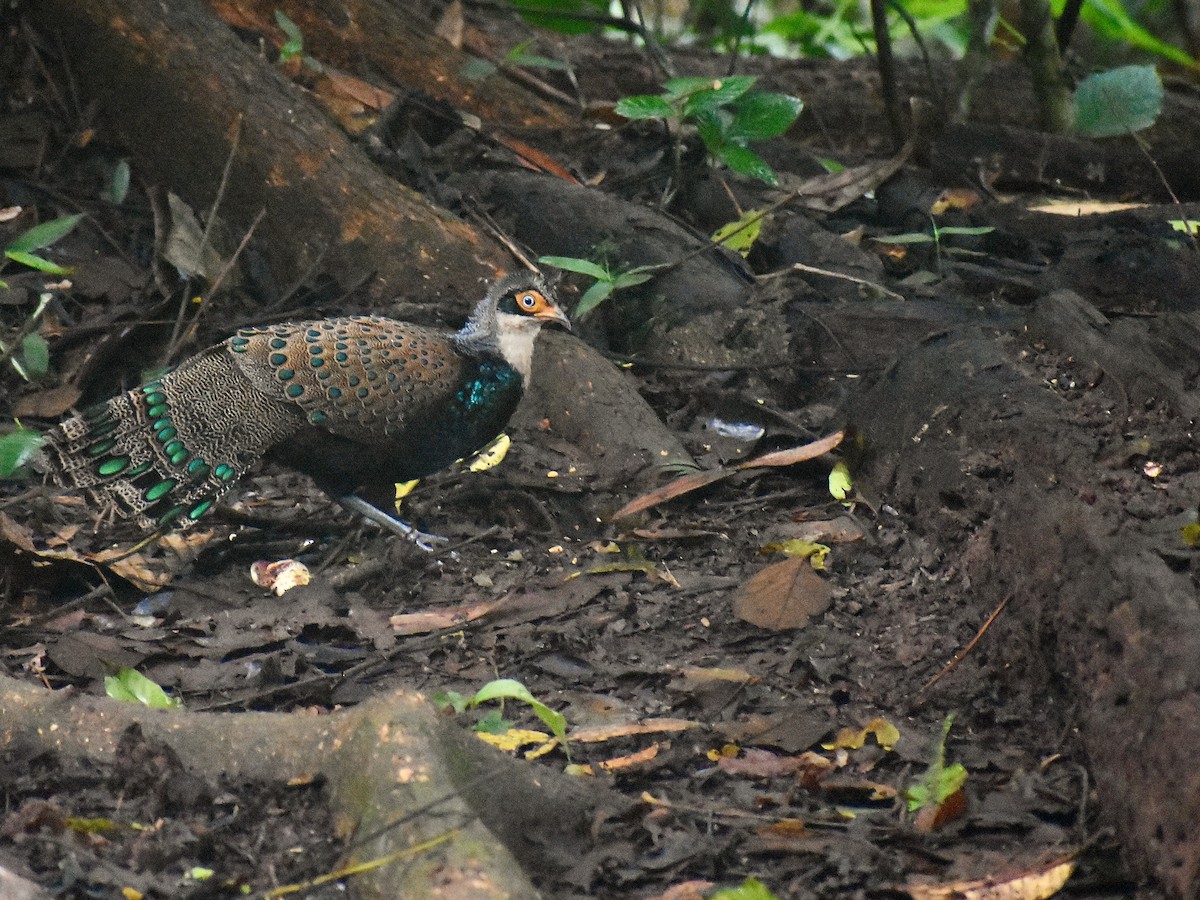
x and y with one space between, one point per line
934 236
509 689
607 281
940 781
294 47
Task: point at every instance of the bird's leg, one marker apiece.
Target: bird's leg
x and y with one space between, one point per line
373 513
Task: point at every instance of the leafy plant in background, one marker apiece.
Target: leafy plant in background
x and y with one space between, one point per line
1119 101
727 116
16 449
21 249
27 350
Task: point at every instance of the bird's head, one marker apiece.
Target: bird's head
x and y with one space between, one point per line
508 319
527 295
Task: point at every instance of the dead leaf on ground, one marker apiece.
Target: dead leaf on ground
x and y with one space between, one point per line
691 678
696 480
598 733
786 835
810 768
935 816
1032 884
630 760
48 404
783 595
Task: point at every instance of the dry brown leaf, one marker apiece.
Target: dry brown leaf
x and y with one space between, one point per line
350 88
1035 884
935 816
630 760
783 836
598 733
451 25
436 619
689 678
783 595
696 480
533 158
829 193
809 767
48 404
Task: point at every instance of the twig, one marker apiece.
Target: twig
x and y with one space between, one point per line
961 654
173 344
813 270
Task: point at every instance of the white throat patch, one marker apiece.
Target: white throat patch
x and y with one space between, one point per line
515 336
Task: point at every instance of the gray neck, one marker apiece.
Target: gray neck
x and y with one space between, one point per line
489 332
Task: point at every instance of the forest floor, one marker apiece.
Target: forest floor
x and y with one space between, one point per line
779 753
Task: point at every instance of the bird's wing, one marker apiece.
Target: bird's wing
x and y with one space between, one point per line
362 377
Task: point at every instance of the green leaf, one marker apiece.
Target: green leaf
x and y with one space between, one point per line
965 229
132 686
493 723
541 14
1119 101
16 449
759 116
118 184
712 125
35 356
294 46
750 889
631 278
593 297
708 93
1111 19
36 262
682 88
745 162
43 235
519 57
644 106
452 699
574 264
912 237
511 689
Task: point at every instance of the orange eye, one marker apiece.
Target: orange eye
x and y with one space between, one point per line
530 300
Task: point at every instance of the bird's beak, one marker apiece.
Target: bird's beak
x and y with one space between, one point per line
552 315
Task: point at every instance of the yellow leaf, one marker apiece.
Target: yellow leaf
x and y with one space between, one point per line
513 739
886 735
840 482
742 234
491 455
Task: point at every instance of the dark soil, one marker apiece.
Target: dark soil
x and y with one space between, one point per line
611 624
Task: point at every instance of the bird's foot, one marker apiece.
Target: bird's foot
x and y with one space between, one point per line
374 514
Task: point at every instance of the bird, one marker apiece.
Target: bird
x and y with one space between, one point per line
358 403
